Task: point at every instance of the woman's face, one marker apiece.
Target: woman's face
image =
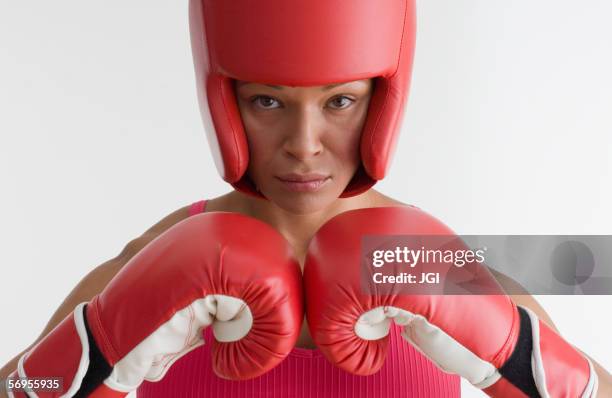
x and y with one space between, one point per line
303 141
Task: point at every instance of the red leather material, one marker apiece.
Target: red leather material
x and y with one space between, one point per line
336 299
104 392
210 253
57 355
503 388
16 393
302 43
567 371
487 325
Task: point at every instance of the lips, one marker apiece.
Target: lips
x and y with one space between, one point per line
295 177
309 182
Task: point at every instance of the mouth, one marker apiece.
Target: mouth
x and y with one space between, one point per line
304 182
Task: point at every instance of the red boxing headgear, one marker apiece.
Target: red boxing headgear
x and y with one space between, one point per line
302 43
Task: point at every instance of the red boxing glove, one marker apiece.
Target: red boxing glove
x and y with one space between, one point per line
224 270
499 347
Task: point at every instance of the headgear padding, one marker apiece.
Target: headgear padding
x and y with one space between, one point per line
302 43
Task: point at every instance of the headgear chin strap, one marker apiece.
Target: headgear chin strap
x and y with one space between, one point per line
302 43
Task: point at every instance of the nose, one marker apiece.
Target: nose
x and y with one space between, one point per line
303 138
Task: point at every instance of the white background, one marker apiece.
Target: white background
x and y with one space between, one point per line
508 131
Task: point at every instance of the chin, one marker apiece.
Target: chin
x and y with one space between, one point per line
303 203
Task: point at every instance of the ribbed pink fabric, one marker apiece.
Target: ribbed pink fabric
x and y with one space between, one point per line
306 374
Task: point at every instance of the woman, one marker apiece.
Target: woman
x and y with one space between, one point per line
315 138
311 134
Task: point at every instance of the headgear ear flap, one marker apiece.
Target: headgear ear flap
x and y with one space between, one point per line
302 43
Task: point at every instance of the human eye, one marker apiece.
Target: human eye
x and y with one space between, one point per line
264 102
341 102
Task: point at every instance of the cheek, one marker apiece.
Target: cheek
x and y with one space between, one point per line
263 149
255 132
347 143
353 128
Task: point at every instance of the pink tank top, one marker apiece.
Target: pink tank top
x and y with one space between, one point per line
305 373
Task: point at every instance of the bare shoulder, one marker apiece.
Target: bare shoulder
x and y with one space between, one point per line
135 245
230 202
381 200
219 203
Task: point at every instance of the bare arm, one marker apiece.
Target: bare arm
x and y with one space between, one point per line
95 281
